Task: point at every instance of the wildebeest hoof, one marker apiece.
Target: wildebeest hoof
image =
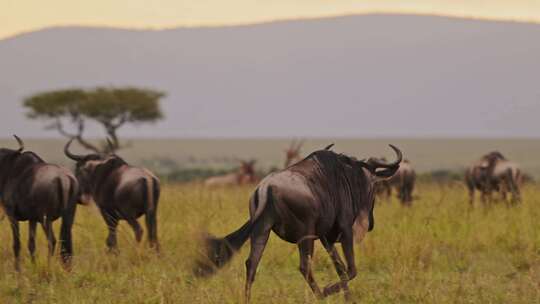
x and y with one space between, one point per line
331 289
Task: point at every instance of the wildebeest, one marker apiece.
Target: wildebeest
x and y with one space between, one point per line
403 181
493 172
319 197
121 192
35 191
245 174
508 176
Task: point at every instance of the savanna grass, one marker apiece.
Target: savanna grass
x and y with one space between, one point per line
438 251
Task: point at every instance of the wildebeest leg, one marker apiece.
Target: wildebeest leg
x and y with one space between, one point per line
471 196
136 228
66 247
340 269
16 241
305 248
32 240
259 238
503 194
348 251
48 229
112 223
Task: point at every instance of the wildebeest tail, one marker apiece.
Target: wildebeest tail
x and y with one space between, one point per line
148 193
219 251
371 219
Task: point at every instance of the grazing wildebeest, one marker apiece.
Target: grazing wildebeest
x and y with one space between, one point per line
121 192
493 172
245 174
319 197
35 191
292 154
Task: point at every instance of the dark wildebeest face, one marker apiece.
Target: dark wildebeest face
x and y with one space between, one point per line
320 197
7 156
85 168
247 167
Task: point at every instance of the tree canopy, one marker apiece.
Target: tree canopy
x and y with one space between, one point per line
110 107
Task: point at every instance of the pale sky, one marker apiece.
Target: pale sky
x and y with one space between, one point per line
18 16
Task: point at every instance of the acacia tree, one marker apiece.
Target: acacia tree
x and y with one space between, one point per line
110 107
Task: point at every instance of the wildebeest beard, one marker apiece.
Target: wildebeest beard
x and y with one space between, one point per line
339 182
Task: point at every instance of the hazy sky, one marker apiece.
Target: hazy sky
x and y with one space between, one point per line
26 15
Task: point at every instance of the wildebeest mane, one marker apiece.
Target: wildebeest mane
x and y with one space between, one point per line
16 163
335 181
104 170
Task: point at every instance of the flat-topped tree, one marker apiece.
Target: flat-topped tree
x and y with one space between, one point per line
110 107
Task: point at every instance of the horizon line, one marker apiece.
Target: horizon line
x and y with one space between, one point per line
273 21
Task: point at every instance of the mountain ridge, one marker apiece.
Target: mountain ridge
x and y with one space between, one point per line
220 80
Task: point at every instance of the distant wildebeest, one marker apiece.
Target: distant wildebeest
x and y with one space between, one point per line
245 174
526 179
383 189
319 197
403 181
35 191
493 172
120 191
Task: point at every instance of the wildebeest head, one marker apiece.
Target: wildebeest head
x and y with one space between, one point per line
7 153
7 156
88 166
376 166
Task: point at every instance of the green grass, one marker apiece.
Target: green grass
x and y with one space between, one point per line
438 251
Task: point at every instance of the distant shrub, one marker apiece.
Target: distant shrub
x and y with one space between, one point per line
183 175
441 176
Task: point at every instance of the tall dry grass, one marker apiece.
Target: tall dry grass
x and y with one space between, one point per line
438 251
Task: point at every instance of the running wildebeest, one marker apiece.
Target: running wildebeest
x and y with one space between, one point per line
493 172
35 191
319 197
245 174
121 192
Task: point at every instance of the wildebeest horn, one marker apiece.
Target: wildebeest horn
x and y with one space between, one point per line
71 155
380 164
329 146
21 143
111 146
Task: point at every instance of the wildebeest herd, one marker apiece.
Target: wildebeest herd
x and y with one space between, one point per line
326 196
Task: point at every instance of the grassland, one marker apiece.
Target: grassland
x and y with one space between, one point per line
438 251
